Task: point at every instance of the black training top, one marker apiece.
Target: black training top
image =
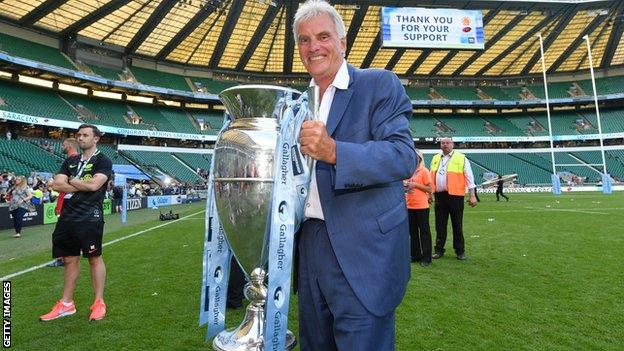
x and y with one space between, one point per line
86 206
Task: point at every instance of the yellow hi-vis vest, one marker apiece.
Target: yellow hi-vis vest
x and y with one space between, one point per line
455 179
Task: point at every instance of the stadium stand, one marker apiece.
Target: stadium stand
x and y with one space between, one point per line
195 160
30 155
104 72
160 79
35 102
464 125
180 120
211 86
457 93
105 112
34 51
417 93
213 120
163 162
528 172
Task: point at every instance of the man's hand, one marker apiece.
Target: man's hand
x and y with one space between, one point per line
472 201
315 142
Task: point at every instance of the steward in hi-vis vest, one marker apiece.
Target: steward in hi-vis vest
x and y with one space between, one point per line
451 175
455 179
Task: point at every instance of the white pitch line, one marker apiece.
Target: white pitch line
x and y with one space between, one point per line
34 268
566 210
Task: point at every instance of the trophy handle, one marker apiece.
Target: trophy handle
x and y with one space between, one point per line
314 103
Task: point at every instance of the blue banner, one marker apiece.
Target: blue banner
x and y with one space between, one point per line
556 184
289 193
120 180
156 201
216 264
606 183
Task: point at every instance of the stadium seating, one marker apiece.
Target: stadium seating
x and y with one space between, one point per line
609 85
152 162
527 124
497 93
105 112
213 86
180 120
528 172
195 160
465 125
34 157
213 120
458 93
612 120
417 93
613 158
151 115
160 79
107 73
423 126
33 51
35 102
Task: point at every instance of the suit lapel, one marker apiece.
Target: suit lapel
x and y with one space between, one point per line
339 104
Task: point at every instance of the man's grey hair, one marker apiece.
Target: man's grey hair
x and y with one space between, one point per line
313 8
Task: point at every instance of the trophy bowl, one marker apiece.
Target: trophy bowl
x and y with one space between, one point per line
244 163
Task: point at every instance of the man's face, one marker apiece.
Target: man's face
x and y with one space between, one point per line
86 138
446 145
320 49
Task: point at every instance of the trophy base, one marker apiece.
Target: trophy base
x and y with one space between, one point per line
248 335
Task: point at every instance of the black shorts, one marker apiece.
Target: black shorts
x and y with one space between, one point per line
116 202
70 238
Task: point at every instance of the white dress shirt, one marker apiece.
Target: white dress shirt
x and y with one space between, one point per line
440 184
313 207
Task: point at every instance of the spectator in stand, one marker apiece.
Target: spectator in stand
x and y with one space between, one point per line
37 196
46 195
20 203
8 134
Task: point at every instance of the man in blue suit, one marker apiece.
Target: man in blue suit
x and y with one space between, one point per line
353 250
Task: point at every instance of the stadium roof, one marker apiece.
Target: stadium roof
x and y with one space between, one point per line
255 35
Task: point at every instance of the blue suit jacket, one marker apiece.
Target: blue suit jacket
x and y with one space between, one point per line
362 195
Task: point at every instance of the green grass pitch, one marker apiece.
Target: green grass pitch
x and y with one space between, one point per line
543 272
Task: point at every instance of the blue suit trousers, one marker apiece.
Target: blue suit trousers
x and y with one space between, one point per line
330 315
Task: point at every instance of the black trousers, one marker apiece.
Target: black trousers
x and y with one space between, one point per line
236 285
500 192
420 235
449 205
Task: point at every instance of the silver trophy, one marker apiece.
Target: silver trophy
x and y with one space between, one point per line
244 163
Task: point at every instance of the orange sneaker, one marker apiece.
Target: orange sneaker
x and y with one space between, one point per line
59 310
98 310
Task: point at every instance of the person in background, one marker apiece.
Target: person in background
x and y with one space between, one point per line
70 148
19 204
452 176
80 227
417 196
37 198
499 189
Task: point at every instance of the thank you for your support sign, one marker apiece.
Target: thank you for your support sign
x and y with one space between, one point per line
413 27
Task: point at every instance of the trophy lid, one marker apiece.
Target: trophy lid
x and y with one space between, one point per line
256 100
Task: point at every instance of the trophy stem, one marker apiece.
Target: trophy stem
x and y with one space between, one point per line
248 336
